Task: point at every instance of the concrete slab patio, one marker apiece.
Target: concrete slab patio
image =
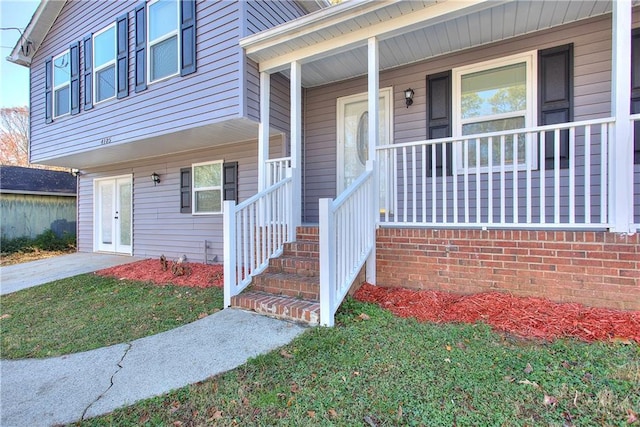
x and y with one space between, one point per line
21 276
70 388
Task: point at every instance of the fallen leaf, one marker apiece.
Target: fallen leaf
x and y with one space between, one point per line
177 423
364 316
632 417
549 400
448 347
311 414
461 345
294 388
508 378
144 418
371 421
399 412
332 413
528 369
356 373
622 340
565 364
202 315
175 405
291 400
284 353
5 316
215 416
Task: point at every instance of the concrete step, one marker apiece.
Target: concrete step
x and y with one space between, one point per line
283 307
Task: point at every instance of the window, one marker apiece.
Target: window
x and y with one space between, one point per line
104 64
163 36
207 187
61 84
491 97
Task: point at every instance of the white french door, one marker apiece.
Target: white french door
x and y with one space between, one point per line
113 216
353 137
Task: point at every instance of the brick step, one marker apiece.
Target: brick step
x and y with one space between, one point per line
302 249
306 267
279 306
308 233
292 285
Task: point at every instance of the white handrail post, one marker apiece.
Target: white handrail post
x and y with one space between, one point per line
621 156
327 263
229 233
291 229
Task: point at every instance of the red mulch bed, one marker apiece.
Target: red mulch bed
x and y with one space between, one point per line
150 270
525 317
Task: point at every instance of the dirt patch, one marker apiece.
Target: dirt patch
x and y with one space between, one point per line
36 254
524 317
195 275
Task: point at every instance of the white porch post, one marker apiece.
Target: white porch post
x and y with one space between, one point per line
263 129
374 129
621 154
296 145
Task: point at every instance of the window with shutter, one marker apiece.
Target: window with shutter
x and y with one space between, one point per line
204 186
61 81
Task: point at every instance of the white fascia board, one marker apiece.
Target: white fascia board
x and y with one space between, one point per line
37 29
310 23
382 30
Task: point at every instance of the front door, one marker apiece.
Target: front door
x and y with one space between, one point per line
353 136
113 215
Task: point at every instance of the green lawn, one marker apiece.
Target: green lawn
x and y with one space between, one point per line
379 370
87 311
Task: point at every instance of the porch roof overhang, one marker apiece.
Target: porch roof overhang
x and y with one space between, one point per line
190 139
331 44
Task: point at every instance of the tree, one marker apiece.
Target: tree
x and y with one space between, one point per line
14 136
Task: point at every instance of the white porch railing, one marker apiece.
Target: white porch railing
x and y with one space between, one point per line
276 170
635 119
254 231
458 182
347 237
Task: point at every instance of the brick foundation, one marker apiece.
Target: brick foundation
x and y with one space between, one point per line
598 269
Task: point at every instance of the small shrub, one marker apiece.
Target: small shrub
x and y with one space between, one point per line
47 241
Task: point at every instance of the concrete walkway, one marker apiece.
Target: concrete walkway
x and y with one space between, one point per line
21 276
44 392
60 390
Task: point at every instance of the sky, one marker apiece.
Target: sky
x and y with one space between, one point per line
14 79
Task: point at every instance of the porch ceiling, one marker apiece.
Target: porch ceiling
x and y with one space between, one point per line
217 134
331 44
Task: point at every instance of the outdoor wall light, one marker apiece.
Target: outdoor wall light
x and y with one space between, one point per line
155 178
408 96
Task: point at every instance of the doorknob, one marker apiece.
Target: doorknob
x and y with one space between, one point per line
116 217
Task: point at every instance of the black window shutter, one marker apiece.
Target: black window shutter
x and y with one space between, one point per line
230 184
635 91
74 58
141 47
187 37
48 91
122 43
88 72
185 190
555 98
439 119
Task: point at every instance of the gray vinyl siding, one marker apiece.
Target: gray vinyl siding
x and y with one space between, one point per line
158 226
210 95
592 91
262 15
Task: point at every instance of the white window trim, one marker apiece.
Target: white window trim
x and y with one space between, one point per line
106 65
150 42
212 188
60 86
530 114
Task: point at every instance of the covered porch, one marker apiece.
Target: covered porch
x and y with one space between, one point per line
538 175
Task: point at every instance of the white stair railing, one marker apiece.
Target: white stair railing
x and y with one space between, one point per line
347 237
276 170
254 231
635 118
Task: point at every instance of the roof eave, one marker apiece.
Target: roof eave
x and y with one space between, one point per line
37 29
